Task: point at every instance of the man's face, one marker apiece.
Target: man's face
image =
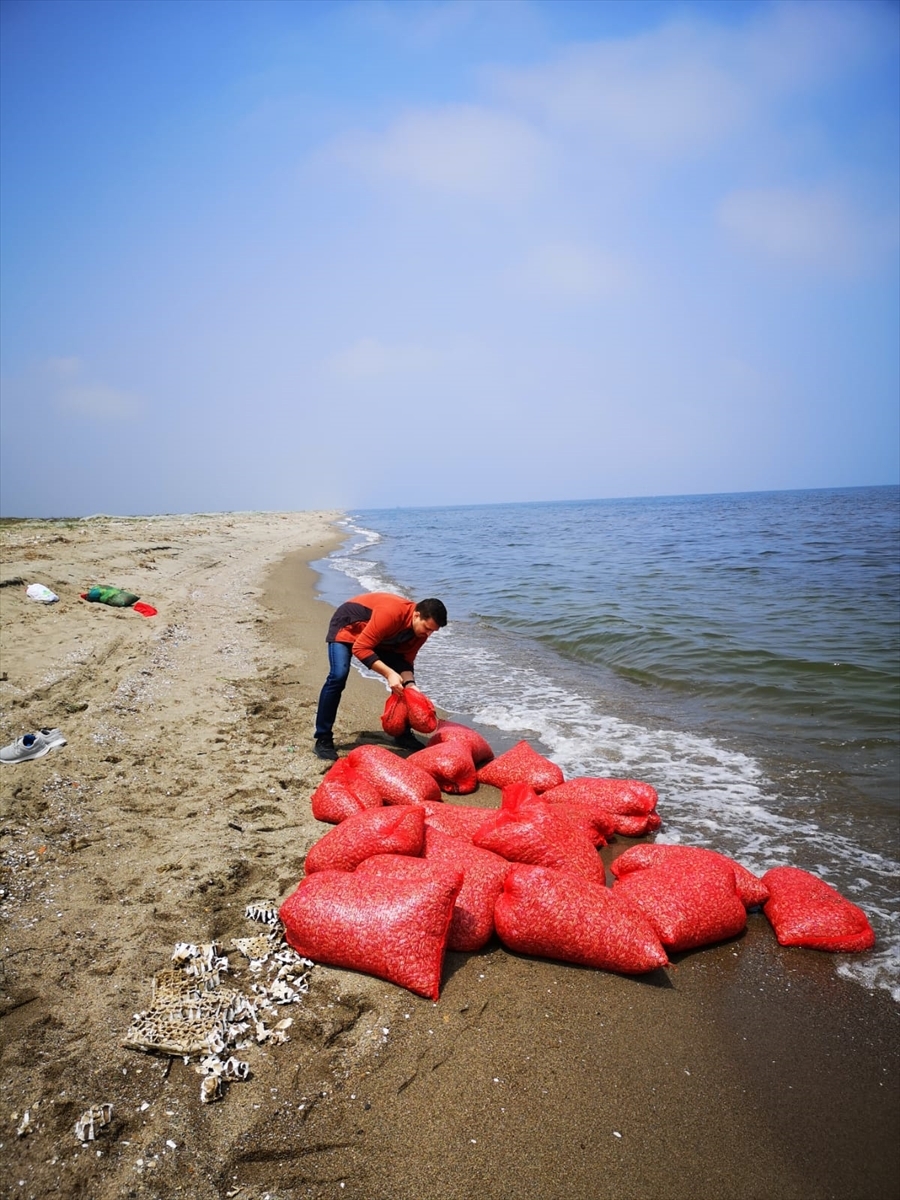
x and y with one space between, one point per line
423 626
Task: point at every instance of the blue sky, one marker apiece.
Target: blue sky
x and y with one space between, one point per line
303 255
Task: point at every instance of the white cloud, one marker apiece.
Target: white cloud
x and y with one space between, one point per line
461 150
98 401
577 271
371 359
812 227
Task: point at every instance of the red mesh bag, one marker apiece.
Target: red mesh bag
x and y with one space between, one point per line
451 766
750 887
422 716
537 835
555 914
806 911
484 872
687 906
343 792
398 781
395 718
521 764
458 820
396 830
391 926
596 824
637 825
450 731
625 796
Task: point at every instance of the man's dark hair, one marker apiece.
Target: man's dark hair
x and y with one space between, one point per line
433 610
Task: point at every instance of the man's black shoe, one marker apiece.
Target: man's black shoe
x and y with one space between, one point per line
324 749
408 741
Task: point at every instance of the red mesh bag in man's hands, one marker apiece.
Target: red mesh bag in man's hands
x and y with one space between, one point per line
557 914
806 911
521 764
391 925
422 716
343 792
399 781
450 764
399 829
395 718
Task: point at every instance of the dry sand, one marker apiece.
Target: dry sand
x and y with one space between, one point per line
743 1072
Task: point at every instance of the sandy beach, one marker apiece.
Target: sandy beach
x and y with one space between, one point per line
742 1072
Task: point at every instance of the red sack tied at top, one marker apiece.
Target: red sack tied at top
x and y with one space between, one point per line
422 716
521 764
537 835
688 906
391 926
483 875
395 718
450 765
451 731
627 797
750 888
806 911
555 914
399 829
342 793
398 781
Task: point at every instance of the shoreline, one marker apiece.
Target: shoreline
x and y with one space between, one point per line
743 1072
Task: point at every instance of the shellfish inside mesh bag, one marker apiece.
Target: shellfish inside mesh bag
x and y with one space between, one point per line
544 838
391 924
422 716
399 829
521 764
688 905
343 792
452 731
750 887
398 781
597 825
806 911
626 796
483 876
556 914
459 820
451 765
395 717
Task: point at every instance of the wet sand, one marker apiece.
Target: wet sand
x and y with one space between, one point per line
743 1072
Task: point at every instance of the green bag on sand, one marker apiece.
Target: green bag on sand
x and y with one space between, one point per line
111 595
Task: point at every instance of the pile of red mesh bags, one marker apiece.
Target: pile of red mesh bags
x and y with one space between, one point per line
688 904
750 887
399 829
343 792
806 911
391 923
451 766
483 875
398 780
450 731
557 914
521 764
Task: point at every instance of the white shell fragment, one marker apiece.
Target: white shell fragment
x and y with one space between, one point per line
193 1014
90 1123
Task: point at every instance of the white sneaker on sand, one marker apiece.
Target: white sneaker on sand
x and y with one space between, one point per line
32 745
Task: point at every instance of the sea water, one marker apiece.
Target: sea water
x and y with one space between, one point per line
739 652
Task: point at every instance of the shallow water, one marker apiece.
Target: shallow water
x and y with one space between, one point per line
740 652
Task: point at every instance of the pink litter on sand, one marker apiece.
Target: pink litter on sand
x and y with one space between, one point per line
343 792
557 914
750 887
452 731
146 610
450 764
399 829
398 781
806 911
521 764
688 906
393 925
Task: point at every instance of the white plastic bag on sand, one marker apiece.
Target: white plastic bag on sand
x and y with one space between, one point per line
37 591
